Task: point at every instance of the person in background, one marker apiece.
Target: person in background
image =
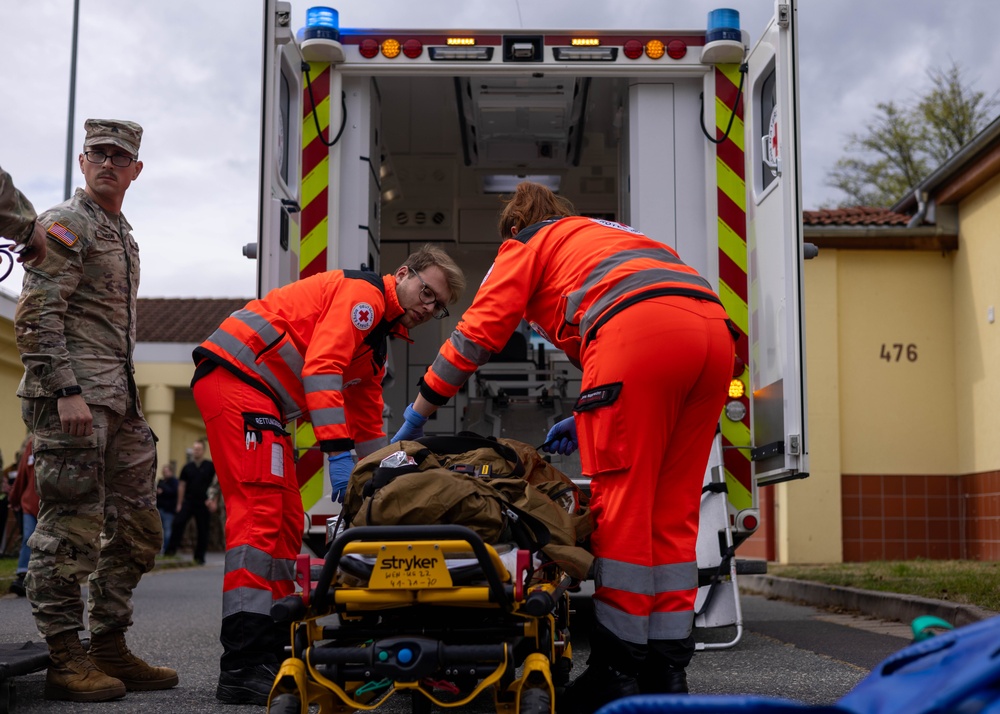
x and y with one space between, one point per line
24 501
193 502
95 455
315 349
657 351
7 477
166 501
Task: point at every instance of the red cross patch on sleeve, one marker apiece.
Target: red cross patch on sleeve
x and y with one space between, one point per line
363 316
63 234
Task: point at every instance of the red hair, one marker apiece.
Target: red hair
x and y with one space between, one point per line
531 203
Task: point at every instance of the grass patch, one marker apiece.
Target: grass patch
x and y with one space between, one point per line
7 568
966 582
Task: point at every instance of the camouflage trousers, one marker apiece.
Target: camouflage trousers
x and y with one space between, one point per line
97 518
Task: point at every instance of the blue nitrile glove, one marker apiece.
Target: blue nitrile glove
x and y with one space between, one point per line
341 467
413 426
561 438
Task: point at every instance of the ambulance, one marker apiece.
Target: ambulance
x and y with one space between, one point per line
378 141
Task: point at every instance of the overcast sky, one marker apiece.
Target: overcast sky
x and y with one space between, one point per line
188 71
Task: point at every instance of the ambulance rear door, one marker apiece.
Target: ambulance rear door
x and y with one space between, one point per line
281 142
775 254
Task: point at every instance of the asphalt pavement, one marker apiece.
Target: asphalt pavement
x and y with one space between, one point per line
787 649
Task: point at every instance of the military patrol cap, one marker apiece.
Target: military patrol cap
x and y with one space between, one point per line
123 134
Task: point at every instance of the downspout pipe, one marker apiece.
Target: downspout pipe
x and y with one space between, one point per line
918 217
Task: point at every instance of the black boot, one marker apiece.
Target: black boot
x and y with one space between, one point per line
598 685
249 685
665 679
662 672
17 587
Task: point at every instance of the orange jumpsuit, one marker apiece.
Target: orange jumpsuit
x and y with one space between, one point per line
313 349
656 351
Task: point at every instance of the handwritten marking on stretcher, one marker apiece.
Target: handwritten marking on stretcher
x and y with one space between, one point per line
403 566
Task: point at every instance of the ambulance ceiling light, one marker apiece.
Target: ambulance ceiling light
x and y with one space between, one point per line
321 36
506 183
723 38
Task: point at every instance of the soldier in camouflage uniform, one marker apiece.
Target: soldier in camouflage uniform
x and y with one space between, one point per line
95 457
17 222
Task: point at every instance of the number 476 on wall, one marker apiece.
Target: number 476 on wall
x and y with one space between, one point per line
895 352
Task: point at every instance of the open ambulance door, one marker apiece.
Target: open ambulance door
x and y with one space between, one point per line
281 141
775 254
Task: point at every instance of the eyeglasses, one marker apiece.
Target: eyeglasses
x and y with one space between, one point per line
427 297
99 157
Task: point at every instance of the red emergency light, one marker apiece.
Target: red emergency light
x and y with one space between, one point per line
633 49
676 49
368 48
413 48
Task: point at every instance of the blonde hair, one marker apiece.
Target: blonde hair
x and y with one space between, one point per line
531 203
429 255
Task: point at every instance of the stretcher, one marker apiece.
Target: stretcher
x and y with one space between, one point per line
429 613
17 659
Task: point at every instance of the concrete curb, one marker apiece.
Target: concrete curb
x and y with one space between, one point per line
885 606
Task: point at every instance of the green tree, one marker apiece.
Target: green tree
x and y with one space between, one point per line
905 142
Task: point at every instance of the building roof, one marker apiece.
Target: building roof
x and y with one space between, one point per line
971 166
187 320
854 216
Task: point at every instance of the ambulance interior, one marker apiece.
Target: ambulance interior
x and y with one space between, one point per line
452 146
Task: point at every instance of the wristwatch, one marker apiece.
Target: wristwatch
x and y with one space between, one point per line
68 391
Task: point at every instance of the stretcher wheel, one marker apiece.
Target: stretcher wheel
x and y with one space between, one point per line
534 700
419 704
284 704
8 696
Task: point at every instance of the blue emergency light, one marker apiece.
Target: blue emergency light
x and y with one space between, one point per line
723 38
320 38
322 23
723 24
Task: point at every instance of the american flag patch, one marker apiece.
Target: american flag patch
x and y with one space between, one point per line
63 234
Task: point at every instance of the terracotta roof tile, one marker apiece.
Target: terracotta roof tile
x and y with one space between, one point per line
188 320
854 216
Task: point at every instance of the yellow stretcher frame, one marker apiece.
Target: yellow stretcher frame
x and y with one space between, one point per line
533 603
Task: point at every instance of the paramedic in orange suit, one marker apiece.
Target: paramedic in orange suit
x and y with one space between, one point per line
316 350
656 351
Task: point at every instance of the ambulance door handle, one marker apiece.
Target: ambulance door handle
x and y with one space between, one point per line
775 165
291 205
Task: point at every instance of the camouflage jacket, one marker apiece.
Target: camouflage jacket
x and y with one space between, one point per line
17 216
75 319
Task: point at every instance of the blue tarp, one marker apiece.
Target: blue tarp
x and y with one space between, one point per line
958 671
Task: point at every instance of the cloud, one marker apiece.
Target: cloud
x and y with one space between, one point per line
189 72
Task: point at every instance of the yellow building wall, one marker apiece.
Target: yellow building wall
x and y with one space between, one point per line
897 363
176 428
808 511
170 409
12 429
976 338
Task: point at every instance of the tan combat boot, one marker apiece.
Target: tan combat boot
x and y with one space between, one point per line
73 677
110 653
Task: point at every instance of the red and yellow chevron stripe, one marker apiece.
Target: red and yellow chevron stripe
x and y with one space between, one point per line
312 254
732 216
